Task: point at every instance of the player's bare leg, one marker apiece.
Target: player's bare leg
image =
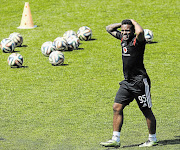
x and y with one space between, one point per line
117 124
118 116
151 121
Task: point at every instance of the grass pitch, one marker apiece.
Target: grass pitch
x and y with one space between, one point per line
70 106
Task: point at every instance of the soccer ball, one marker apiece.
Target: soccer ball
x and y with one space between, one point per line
47 48
7 45
17 38
84 33
148 34
73 42
15 60
69 33
56 58
60 43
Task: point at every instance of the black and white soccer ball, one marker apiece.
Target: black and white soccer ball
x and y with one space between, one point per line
47 48
56 58
73 42
15 60
84 33
7 45
69 33
148 34
17 38
60 44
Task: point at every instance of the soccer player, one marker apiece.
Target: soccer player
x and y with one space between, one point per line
136 83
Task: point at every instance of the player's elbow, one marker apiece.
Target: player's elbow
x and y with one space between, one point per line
108 29
139 31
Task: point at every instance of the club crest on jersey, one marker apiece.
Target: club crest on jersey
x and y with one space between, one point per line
124 53
125 50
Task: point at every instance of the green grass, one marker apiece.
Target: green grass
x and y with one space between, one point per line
70 107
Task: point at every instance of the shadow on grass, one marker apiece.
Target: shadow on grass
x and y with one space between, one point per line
151 42
170 142
19 67
92 39
111 148
2 139
60 65
23 46
15 51
70 50
80 49
160 143
64 65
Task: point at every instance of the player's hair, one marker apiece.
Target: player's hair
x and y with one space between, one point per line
127 21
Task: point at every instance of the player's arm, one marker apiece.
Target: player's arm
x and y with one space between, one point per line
112 29
138 30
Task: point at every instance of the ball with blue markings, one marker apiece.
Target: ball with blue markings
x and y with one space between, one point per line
56 58
17 38
15 60
73 42
47 48
69 33
60 44
148 34
84 33
7 45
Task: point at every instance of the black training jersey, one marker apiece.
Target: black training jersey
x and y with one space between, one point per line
132 57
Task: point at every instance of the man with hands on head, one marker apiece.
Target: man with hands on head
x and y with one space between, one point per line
136 83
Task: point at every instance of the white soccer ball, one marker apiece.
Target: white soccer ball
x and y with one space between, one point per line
15 60
73 42
47 48
56 58
69 33
84 33
17 38
7 45
60 44
148 34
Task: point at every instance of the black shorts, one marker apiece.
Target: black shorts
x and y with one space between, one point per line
138 89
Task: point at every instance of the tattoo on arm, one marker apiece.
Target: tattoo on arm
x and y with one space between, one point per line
112 28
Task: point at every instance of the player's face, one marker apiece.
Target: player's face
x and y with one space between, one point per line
126 31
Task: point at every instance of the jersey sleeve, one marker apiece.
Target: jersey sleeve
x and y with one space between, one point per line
136 42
